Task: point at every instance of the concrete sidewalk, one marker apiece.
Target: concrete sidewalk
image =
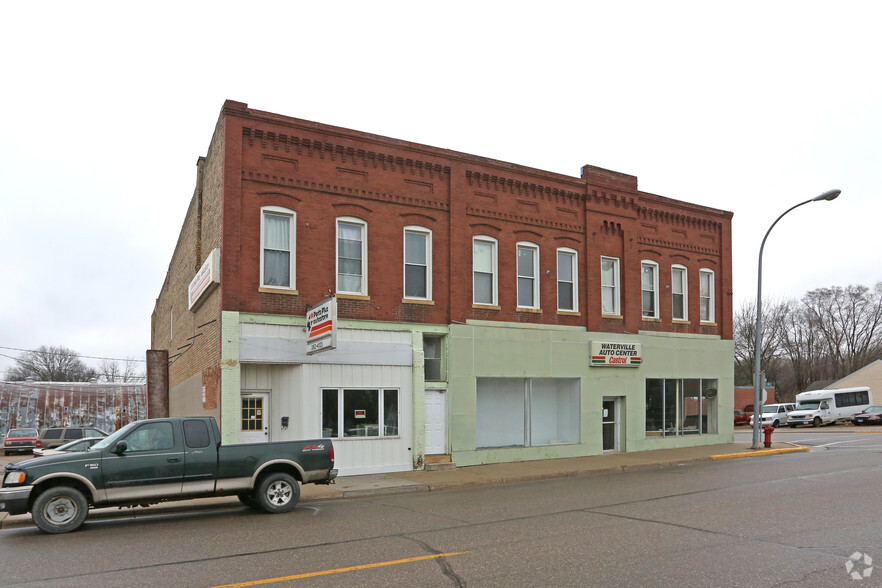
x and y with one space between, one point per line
479 475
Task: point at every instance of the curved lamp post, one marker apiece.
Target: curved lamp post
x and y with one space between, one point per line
758 380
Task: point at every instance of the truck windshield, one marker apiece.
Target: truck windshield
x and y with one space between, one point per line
768 409
113 437
813 405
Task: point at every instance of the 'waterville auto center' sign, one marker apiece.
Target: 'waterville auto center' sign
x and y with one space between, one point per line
615 354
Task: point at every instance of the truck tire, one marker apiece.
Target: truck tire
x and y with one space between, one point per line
775 424
247 498
278 492
816 422
791 425
60 509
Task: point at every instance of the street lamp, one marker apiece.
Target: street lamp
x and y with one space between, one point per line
758 380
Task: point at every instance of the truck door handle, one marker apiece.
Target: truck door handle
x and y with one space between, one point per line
174 459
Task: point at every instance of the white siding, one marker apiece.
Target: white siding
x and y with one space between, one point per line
296 392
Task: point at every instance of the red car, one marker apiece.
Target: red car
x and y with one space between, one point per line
741 418
872 415
21 441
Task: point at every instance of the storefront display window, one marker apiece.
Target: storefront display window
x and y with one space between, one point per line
360 414
681 407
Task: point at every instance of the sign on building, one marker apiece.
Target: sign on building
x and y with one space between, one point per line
205 280
608 353
321 326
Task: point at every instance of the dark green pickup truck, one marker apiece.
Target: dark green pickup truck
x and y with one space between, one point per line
158 460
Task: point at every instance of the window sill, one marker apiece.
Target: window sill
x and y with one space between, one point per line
681 322
417 301
485 307
650 319
529 310
613 316
352 296
569 313
267 290
707 324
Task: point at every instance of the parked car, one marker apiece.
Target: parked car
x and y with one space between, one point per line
73 447
21 441
741 418
774 414
57 436
872 415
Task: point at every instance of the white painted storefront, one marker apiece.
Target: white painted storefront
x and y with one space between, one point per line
366 363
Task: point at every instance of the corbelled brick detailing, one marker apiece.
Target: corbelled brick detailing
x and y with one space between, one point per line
343 154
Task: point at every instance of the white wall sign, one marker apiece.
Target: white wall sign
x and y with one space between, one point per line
321 326
610 353
205 280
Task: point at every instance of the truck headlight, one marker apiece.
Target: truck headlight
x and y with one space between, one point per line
14 478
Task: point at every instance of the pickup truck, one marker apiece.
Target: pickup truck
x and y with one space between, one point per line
158 460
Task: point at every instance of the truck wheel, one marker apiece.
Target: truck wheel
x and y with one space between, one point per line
60 509
775 424
816 422
247 498
277 493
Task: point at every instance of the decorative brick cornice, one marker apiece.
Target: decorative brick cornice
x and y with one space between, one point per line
517 187
278 180
671 218
524 220
344 154
679 245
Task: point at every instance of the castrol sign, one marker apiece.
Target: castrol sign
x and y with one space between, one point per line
617 354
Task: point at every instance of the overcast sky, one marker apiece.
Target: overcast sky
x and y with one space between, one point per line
107 106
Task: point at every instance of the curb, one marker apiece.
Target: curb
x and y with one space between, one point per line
761 452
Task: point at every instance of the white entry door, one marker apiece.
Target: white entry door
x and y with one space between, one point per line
436 422
254 417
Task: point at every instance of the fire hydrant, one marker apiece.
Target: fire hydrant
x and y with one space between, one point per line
768 431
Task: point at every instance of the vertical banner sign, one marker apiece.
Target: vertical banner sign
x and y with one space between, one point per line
321 326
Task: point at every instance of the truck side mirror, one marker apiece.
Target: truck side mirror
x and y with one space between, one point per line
120 447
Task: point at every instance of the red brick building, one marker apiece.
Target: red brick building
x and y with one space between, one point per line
479 303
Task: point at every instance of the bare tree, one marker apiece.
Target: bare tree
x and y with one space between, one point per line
850 322
110 370
802 345
744 323
51 364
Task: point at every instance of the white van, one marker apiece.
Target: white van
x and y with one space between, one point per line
825 407
774 414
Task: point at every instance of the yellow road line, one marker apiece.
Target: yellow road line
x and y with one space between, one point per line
341 570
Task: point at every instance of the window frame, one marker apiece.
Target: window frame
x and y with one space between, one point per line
351 220
574 282
427 234
534 290
684 293
617 311
292 250
655 314
710 297
494 269
340 399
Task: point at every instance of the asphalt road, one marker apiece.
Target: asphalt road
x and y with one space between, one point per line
790 519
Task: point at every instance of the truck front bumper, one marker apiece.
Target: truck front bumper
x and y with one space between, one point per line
15 500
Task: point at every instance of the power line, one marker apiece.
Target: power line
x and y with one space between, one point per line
80 356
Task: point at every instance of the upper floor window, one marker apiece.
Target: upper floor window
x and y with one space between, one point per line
679 293
528 275
351 256
277 258
484 270
433 353
567 280
609 286
417 263
706 295
649 288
